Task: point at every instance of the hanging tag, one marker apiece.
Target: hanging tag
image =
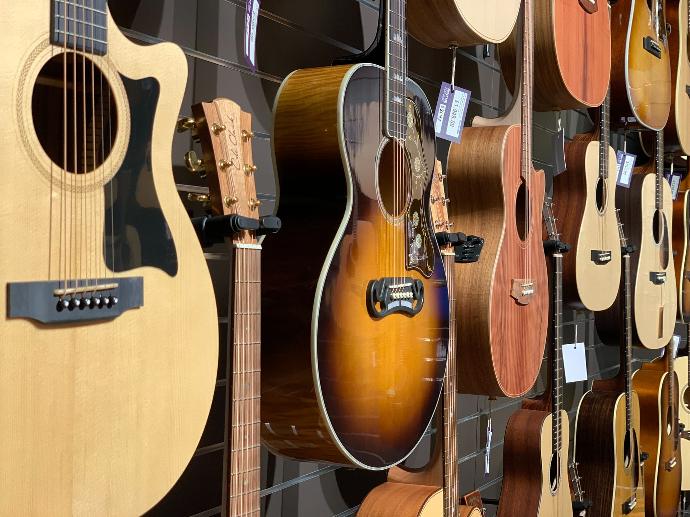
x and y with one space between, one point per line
676 344
574 362
559 150
674 180
251 20
489 439
451 110
626 164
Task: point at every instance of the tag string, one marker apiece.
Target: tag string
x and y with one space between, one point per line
453 49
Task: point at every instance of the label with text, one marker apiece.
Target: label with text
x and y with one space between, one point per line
251 20
451 111
625 165
574 362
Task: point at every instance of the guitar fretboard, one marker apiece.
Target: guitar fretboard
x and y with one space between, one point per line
527 80
396 70
659 169
556 385
80 25
627 340
245 412
450 455
604 137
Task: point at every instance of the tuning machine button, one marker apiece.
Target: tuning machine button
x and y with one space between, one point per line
217 129
247 135
194 164
186 124
254 204
228 201
204 199
249 169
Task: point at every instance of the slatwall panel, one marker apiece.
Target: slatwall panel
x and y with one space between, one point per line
305 33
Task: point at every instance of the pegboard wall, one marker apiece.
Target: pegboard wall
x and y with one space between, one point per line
308 33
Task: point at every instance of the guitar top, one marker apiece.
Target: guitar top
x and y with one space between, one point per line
641 67
677 130
113 306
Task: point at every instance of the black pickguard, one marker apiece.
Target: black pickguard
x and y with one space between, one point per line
136 233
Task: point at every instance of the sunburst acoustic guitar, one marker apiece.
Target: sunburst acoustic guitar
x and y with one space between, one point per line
607 429
677 130
573 51
355 355
108 338
537 437
447 23
503 299
641 66
586 192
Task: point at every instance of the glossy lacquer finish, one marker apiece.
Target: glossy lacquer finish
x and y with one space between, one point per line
340 385
678 128
681 220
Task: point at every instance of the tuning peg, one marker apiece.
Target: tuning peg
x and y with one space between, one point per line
247 135
228 201
223 165
249 169
217 129
186 124
254 204
204 199
194 164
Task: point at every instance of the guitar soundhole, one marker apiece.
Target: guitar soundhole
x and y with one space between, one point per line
601 195
669 421
627 449
635 459
394 179
660 235
521 215
686 398
554 471
77 135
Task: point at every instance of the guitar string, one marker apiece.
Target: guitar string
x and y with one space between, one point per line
81 179
93 264
102 270
63 172
74 262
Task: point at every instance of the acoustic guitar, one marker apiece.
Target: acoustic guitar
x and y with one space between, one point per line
572 42
682 369
503 300
108 332
681 259
607 428
446 23
587 208
641 66
417 494
657 386
355 355
677 130
225 133
537 437
646 211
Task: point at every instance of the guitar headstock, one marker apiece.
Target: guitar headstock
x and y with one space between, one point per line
439 206
550 220
621 230
225 134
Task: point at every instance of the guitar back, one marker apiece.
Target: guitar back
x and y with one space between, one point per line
678 127
640 80
681 369
681 219
442 23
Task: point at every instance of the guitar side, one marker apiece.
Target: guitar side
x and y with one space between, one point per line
681 219
681 369
677 130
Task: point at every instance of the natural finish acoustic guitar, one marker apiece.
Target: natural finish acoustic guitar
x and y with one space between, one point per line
641 66
572 46
586 192
607 429
657 386
646 211
678 127
109 331
537 437
502 300
446 23
355 353
681 250
417 494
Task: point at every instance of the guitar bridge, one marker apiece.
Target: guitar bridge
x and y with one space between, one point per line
671 464
390 295
523 290
601 257
651 46
657 277
629 505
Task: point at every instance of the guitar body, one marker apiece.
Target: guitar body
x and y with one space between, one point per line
573 50
99 417
500 341
678 128
392 499
340 384
587 212
681 369
607 459
681 219
640 81
527 458
654 304
442 23
662 485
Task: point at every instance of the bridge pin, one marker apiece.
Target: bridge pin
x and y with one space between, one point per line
97 302
114 300
106 301
86 303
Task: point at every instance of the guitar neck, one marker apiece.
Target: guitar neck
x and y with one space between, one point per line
556 370
396 69
245 409
604 136
527 81
78 26
659 169
450 453
626 345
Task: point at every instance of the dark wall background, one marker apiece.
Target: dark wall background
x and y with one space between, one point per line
296 34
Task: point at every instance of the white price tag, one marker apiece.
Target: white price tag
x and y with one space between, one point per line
251 20
451 110
626 164
574 362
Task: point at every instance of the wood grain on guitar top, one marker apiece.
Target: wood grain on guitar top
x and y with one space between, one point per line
340 385
99 418
572 51
681 369
500 342
640 81
442 23
677 129
662 484
587 228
